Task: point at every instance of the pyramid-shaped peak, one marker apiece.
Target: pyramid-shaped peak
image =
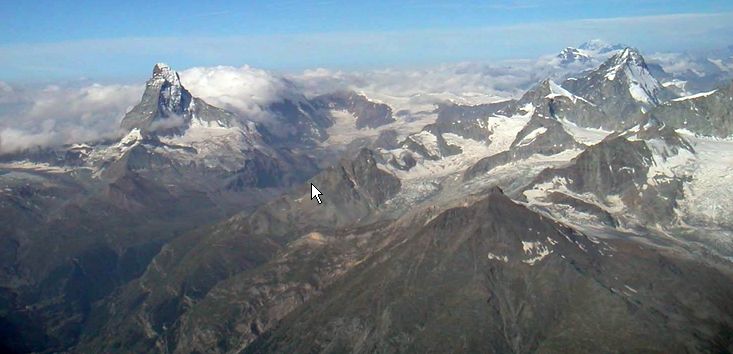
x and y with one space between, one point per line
161 68
630 62
163 71
629 54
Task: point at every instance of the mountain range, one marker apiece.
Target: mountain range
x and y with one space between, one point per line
590 214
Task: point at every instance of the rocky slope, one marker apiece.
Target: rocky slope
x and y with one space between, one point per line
105 209
496 277
622 88
368 114
159 305
634 173
513 226
707 113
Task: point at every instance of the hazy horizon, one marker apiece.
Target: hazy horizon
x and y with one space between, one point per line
44 43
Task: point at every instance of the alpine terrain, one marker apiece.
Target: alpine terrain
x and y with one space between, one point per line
589 213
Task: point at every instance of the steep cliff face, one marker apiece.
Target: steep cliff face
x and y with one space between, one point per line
622 88
367 113
707 113
640 171
167 106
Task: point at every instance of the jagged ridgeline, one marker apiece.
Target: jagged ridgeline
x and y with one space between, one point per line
590 213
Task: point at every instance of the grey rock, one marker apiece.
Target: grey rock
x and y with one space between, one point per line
369 114
553 139
710 115
167 106
610 87
496 277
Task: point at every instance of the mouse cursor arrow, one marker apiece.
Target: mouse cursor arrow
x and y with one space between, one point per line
315 193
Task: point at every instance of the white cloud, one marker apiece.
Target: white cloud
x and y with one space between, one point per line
244 90
467 83
63 114
694 31
55 115
59 115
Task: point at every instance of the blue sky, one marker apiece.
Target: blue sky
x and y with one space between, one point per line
106 40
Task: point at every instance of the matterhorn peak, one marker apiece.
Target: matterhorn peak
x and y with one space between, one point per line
164 72
164 97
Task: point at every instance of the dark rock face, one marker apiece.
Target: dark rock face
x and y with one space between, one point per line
297 123
469 129
584 207
451 112
496 277
708 114
167 106
368 114
441 149
555 101
356 189
622 88
620 165
387 139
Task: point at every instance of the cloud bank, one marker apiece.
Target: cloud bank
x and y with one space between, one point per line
243 90
54 115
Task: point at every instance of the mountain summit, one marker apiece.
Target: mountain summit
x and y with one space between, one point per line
629 66
591 52
600 47
621 87
166 106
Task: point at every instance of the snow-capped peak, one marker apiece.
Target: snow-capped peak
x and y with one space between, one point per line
131 138
572 55
599 46
587 53
173 97
164 72
629 55
630 65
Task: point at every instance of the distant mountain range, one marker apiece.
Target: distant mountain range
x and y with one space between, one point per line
590 214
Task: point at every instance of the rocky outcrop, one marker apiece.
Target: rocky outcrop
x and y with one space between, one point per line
707 113
542 135
368 114
630 170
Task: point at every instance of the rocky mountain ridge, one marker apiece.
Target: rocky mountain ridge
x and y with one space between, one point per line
491 228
